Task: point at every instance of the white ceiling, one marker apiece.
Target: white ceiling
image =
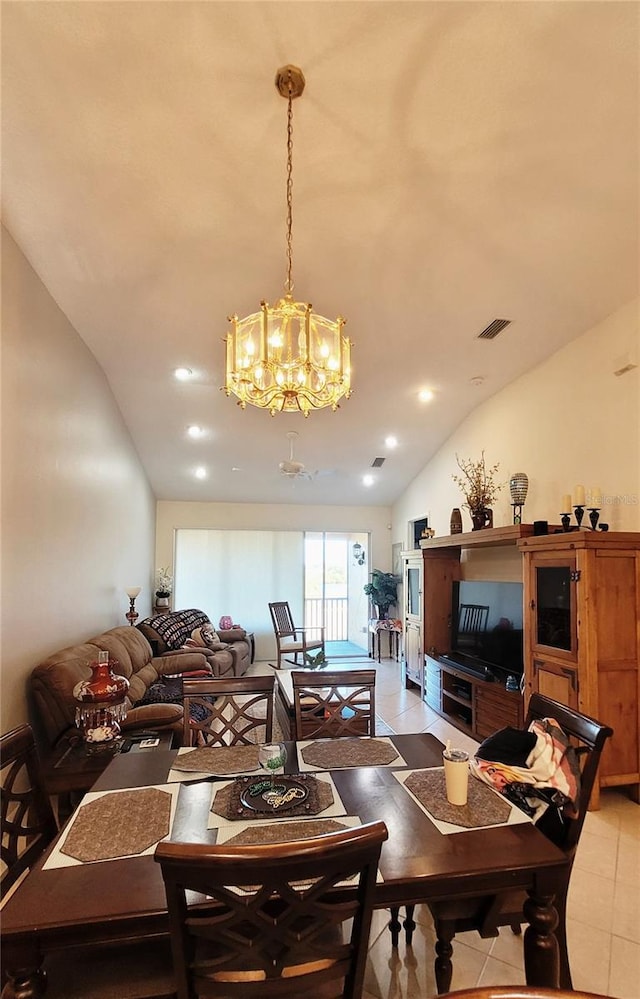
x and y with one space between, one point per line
454 163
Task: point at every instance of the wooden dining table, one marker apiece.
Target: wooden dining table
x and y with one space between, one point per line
124 900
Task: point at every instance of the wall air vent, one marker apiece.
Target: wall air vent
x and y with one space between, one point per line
378 462
492 330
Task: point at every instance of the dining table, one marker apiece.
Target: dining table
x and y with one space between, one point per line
118 901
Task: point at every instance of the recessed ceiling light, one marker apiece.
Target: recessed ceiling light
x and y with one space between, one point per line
391 441
367 480
182 374
200 473
425 395
195 431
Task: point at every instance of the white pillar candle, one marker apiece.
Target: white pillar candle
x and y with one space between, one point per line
596 498
565 506
578 495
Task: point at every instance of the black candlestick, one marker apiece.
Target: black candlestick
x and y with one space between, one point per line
565 519
579 512
594 516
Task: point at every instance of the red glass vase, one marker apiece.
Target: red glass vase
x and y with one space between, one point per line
102 703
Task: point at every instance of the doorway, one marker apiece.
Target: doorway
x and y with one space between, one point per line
335 572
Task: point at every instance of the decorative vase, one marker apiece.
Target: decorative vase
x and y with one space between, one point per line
162 599
518 487
382 613
101 703
482 518
455 524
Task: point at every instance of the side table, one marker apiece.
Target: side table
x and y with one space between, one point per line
71 771
393 627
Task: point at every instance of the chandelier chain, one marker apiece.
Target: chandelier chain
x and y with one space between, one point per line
289 282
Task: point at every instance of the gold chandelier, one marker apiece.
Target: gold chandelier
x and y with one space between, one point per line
286 358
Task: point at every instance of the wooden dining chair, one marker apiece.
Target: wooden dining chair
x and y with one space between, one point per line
292 641
275 925
488 914
28 824
228 711
139 971
332 704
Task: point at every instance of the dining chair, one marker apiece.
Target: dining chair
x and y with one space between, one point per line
138 971
488 914
519 992
291 640
333 704
274 917
28 824
228 711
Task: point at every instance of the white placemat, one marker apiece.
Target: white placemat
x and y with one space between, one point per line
336 809
516 816
59 859
303 766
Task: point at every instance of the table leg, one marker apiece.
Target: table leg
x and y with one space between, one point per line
28 983
540 943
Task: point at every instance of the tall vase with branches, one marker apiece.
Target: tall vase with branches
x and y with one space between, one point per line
480 489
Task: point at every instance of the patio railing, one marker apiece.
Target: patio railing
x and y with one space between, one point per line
333 613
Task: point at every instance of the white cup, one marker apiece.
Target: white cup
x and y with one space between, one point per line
456 775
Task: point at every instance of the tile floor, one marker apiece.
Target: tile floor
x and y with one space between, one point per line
603 922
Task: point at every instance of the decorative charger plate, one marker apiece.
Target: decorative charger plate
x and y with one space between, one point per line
250 797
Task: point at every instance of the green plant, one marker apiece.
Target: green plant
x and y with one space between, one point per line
314 661
383 589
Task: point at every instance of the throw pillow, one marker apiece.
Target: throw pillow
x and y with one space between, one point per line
206 636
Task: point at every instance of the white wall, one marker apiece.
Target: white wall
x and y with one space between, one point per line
570 420
78 514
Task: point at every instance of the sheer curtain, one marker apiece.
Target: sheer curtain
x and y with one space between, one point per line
238 573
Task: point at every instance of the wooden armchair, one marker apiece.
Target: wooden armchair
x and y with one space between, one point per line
291 640
275 924
228 711
329 705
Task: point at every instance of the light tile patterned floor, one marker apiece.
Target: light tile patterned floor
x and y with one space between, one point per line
603 923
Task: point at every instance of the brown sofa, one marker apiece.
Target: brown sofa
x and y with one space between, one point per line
230 656
52 682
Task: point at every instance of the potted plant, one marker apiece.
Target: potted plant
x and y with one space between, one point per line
479 488
164 587
382 590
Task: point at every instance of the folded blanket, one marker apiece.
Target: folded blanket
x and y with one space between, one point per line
550 774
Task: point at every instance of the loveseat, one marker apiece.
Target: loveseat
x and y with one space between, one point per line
53 680
228 651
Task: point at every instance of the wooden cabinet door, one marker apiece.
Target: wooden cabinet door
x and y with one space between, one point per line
557 680
551 605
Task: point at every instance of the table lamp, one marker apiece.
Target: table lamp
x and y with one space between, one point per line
132 614
102 704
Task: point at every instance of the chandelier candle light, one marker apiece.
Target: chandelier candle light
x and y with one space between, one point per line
286 358
101 704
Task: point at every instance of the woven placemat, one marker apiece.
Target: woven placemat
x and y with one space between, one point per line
332 753
228 804
119 825
483 808
219 760
285 832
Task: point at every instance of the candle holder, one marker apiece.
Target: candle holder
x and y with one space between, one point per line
518 486
594 516
579 513
565 519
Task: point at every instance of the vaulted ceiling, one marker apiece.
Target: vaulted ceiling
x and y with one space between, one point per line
454 163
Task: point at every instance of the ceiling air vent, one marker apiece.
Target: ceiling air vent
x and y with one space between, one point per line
378 462
493 329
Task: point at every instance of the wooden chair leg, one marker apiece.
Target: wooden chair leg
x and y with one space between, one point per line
409 924
561 936
516 928
443 966
395 925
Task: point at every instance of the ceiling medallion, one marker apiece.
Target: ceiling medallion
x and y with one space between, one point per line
286 358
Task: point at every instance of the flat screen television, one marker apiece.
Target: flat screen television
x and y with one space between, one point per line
486 627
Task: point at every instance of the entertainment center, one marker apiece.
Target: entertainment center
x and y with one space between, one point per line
577 639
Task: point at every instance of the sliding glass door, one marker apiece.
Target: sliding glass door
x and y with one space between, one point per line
335 571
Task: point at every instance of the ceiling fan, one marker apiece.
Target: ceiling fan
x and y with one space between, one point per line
291 468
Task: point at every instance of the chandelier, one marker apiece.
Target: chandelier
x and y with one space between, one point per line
287 358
